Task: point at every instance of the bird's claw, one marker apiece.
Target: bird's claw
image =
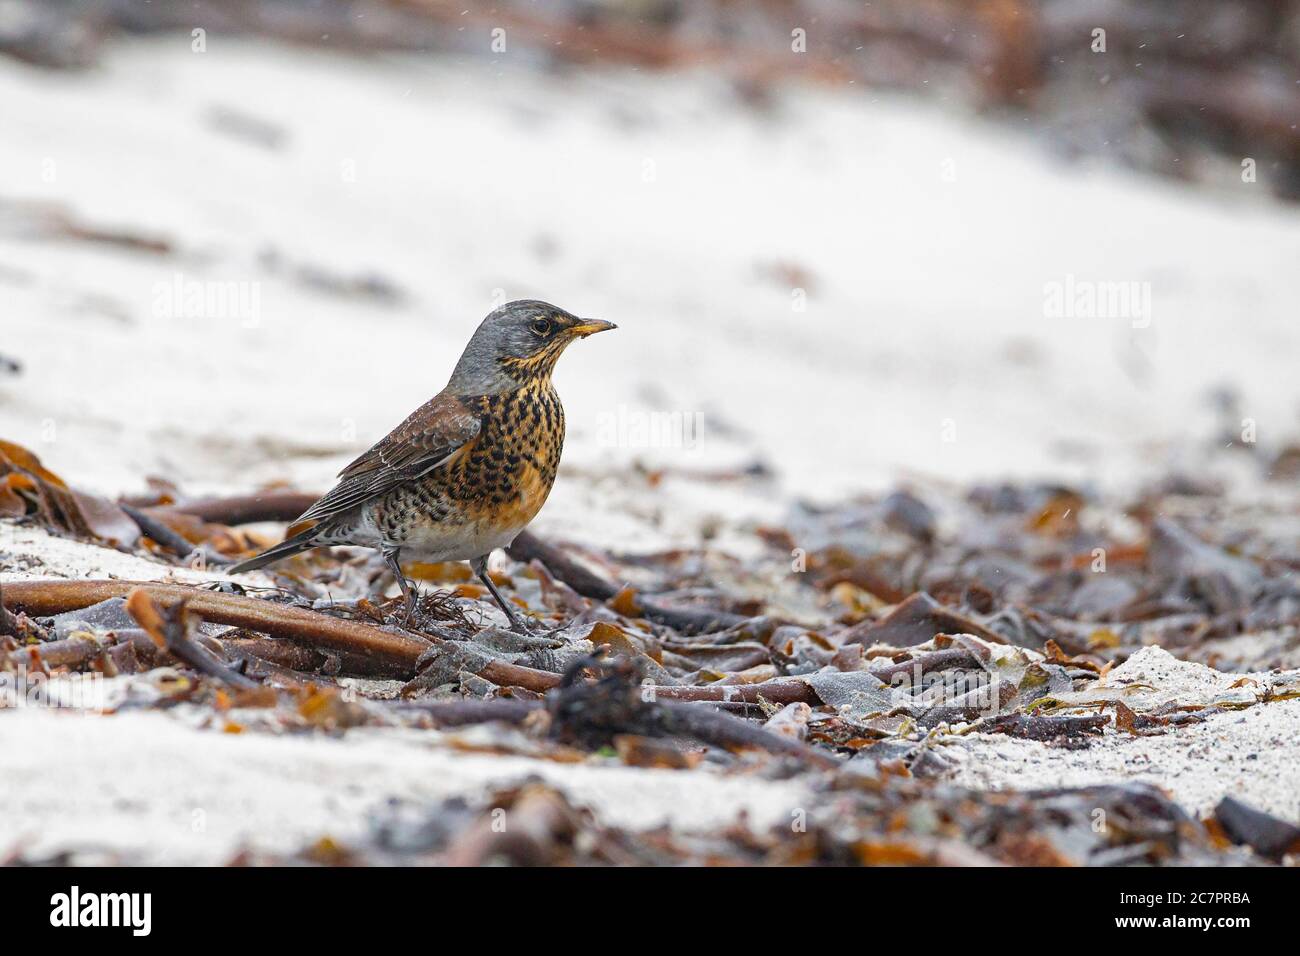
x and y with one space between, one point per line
531 627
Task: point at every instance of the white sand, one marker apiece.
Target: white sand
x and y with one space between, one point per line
1251 754
194 796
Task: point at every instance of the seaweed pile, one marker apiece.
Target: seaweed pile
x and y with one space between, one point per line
854 649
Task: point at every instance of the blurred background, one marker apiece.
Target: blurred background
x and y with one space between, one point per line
846 243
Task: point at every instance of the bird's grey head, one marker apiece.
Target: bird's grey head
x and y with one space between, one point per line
517 343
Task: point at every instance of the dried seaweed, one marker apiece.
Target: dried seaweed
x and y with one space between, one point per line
867 706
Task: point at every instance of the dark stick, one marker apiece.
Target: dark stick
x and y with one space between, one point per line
517 675
528 547
308 627
1265 833
177 544
300 656
1045 727
68 652
715 727
459 713
247 509
777 691
272 650
938 660
171 627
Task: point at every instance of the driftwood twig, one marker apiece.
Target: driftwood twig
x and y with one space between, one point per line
156 530
528 547
925 663
780 690
1046 727
171 628
367 641
243 509
310 627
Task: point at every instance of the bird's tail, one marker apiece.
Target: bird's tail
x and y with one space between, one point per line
299 542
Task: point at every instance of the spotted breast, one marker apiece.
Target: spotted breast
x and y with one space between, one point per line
482 496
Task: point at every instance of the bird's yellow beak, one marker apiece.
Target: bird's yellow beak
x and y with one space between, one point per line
587 327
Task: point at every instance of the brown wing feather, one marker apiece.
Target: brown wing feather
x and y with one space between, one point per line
431 433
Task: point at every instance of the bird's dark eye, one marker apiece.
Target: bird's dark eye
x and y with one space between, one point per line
541 327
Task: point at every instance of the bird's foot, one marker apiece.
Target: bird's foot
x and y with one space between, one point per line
407 615
532 627
409 612
409 592
553 629
518 624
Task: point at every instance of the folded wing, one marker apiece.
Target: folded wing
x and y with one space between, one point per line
432 434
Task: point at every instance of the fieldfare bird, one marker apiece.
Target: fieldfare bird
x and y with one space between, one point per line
468 469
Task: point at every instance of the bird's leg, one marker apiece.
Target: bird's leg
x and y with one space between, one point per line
480 569
408 592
